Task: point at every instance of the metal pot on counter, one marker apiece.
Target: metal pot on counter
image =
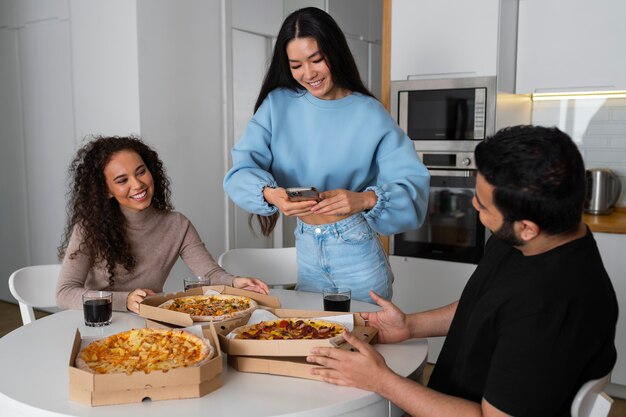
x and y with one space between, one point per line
603 190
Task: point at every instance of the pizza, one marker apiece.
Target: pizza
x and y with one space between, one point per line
290 329
212 307
144 350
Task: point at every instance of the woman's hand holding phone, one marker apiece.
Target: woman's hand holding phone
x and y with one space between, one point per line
278 197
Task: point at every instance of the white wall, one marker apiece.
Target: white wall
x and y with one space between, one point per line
597 126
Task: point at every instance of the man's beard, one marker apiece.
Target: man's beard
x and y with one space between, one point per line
506 233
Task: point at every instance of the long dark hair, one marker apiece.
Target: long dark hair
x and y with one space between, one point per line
309 22
99 218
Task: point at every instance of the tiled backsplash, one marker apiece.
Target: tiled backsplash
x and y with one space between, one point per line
598 127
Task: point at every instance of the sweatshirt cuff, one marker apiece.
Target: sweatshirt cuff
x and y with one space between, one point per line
380 205
265 205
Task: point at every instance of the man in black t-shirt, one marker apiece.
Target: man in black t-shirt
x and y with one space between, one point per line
536 319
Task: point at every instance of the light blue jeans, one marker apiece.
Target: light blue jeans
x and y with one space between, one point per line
347 253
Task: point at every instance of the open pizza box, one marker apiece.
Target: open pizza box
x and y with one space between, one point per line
106 389
160 317
291 348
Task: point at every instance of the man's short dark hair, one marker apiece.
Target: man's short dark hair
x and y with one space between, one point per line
538 175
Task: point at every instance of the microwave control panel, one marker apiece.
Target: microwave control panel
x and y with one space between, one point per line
448 160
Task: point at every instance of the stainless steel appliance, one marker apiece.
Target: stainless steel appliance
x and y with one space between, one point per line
446 119
452 230
603 191
454 114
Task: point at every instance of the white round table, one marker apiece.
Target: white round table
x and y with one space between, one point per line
34 362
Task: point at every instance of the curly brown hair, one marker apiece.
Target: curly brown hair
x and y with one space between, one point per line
102 223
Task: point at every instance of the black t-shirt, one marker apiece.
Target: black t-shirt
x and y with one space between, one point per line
530 330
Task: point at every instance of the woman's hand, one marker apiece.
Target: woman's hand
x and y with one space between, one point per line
278 198
342 202
251 284
136 297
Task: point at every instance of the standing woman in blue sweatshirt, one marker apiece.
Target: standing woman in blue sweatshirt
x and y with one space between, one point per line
316 125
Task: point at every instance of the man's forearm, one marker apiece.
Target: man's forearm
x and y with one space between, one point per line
432 322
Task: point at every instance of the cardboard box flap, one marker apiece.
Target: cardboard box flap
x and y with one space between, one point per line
97 398
149 308
289 366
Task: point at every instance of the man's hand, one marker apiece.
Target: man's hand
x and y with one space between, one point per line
365 369
391 322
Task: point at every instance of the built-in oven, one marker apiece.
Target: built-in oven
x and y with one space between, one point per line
451 230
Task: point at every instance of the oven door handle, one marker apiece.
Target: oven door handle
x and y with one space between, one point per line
465 173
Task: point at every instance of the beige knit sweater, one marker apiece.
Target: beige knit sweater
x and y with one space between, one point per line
157 239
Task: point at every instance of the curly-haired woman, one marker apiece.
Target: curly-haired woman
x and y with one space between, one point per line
122 234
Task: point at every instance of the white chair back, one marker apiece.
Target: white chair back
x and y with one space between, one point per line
276 266
34 286
590 401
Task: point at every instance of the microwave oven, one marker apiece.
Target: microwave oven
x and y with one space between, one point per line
454 114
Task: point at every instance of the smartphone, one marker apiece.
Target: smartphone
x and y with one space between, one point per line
302 194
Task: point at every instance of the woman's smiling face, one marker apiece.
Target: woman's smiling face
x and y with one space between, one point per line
129 181
310 69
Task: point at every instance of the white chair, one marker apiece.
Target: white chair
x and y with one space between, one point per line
591 401
276 266
34 286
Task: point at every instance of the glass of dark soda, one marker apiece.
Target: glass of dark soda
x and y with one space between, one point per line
98 308
336 299
194 282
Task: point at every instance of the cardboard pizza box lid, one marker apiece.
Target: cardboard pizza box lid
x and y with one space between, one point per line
149 308
94 389
240 347
221 327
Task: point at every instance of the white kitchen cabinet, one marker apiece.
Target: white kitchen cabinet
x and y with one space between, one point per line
443 38
611 246
260 17
571 45
358 18
425 284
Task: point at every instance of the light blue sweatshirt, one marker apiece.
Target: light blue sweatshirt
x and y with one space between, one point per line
297 140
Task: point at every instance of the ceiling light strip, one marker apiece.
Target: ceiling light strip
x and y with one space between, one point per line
579 95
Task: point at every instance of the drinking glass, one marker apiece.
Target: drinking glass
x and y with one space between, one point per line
193 282
98 308
337 299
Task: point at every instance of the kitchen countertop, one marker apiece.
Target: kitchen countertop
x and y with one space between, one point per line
607 223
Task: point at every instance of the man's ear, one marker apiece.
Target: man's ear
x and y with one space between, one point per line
527 230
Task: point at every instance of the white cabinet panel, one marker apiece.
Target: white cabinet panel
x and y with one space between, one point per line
425 284
251 54
262 17
439 38
612 247
571 45
352 16
180 91
45 67
13 236
104 67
